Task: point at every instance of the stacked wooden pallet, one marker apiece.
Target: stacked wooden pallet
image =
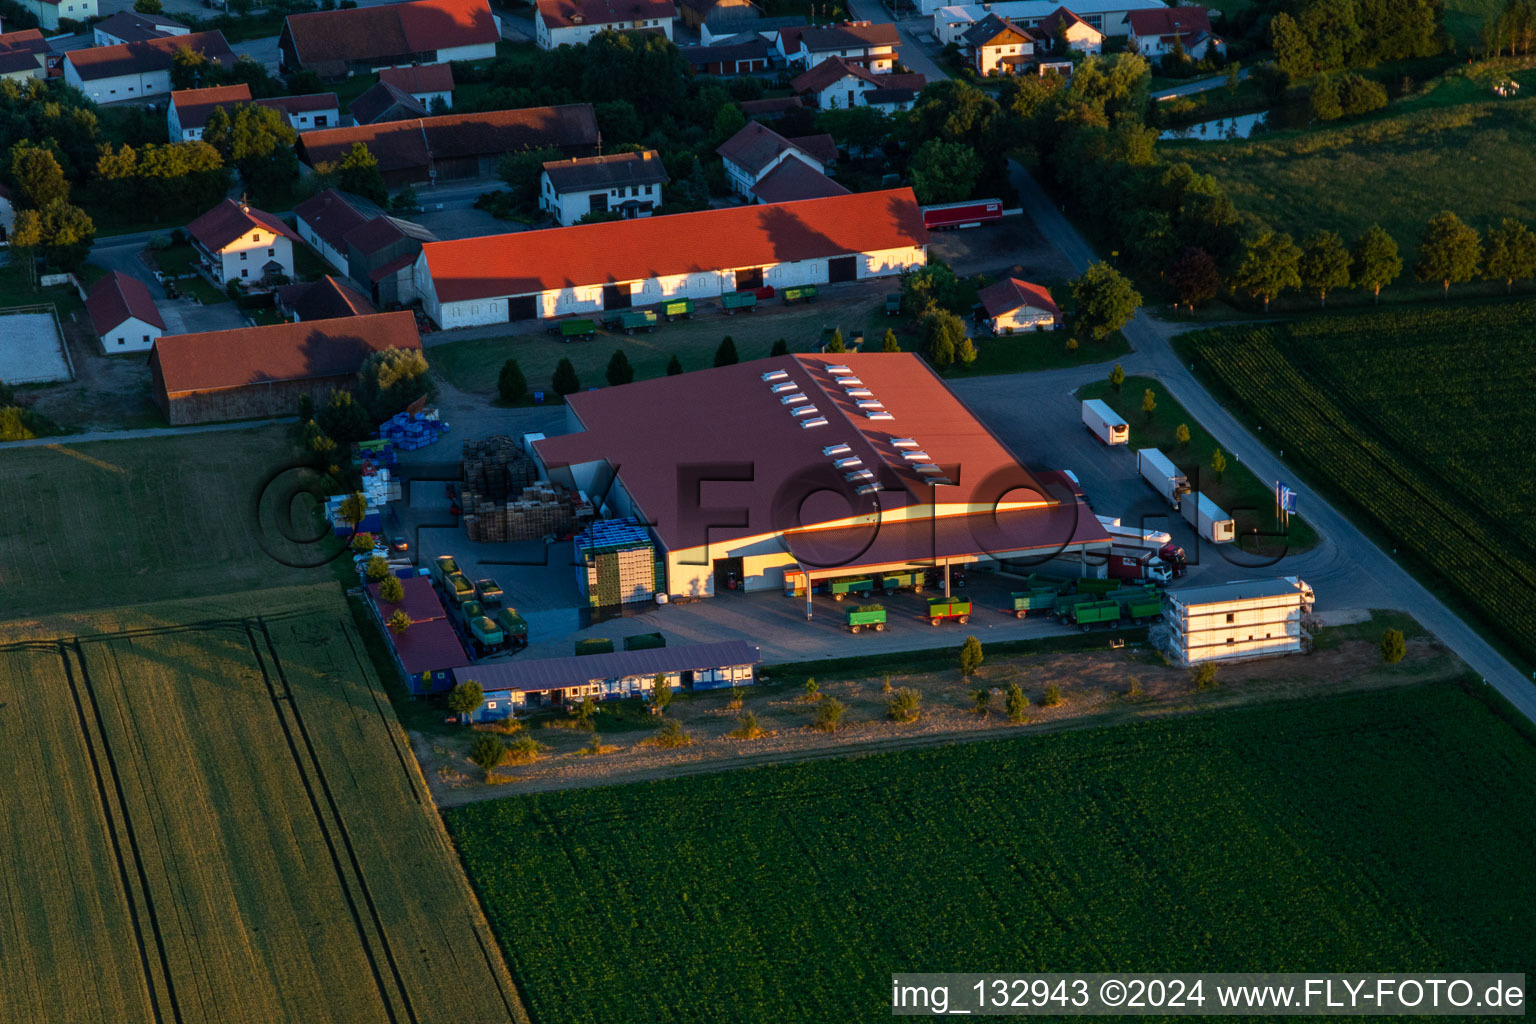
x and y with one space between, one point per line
502 499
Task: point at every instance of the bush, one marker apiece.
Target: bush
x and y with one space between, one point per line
1016 703
523 750
748 727
510 383
399 622
1204 676
670 735
377 570
1052 696
1393 646
971 656
391 590
487 753
1134 690
829 712
905 705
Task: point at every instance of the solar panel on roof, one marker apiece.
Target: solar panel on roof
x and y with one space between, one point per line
859 474
850 382
860 393
866 488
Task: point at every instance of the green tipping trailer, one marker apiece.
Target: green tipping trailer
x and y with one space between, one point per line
1137 603
676 308
459 588
489 593
644 642
484 633
942 608
577 329
1089 585
1039 581
870 616
732 301
914 581
442 568
632 320
1092 613
799 293
594 645
1039 599
893 303
1066 602
840 589
513 627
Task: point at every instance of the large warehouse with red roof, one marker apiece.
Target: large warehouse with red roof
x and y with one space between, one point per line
587 268
816 464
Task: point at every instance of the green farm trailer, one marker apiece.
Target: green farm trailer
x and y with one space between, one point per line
733 301
1026 601
513 626
484 633
799 293
458 588
489 592
913 581
943 608
840 589
893 304
1039 581
594 645
1089 585
568 329
632 320
1066 602
677 308
443 568
1093 613
1137 604
866 616
644 642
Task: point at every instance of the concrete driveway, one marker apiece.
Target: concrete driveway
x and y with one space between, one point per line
183 316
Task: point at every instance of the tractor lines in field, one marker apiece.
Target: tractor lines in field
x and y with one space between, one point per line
311 775
73 660
379 703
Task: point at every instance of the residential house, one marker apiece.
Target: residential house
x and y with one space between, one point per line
575 22
123 314
326 299
431 85
744 54
696 12
360 40
1107 16
324 220
187 114
24 55
757 149
1012 305
51 12
997 46
793 180
138 71
457 146
588 268
509 685
872 44
1065 32
133 27
726 22
382 102
1155 34
839 83
628 184
237 242
429 651
261 372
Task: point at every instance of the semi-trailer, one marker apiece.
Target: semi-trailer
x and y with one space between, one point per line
1164 477
1105 423
1208 519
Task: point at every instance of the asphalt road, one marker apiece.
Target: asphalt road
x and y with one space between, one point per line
1199 85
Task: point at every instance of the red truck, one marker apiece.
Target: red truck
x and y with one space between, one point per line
1136 564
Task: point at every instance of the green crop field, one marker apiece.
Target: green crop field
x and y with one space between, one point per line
117 522
1384 831
1420 420
1249 500
1456 148
212 814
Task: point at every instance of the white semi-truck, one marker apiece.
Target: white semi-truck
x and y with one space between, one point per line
1105 423
1208 519
1159 471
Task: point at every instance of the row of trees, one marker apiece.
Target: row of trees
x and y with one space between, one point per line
1451 252
1309 36
46 222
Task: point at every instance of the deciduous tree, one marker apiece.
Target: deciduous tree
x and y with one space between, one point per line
465 697
1270 265
1194 277
1324 264
1103 300
1376 262
1509 253
1449 253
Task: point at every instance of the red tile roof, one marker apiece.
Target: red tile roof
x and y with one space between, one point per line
394 266
835 69
991 28
331 217
756 146
99 62
1047 24
400 145
567 13
389 31
794 180
420 78
683 243
301 104
325 299
730 415
194 105
19 51
374 235
1011 293
117 297
216 360
1169 21
229 220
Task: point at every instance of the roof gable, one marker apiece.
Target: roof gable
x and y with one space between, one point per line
1169 21
230 221
325 299
98 62
384 101
420 78
193 106
117 297
617 170
570 13
1011 293
404 144
330 216
756 146
393 30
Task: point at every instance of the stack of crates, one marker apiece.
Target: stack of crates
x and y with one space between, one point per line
409 431
617 563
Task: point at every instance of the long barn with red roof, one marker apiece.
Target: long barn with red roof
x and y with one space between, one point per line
588 268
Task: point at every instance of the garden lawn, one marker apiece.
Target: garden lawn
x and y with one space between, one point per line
1249 500
1474 158
1383 831
1419 421
224 815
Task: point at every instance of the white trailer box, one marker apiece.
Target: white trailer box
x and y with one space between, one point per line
1105 423
1134 537
1208 519
1159 471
